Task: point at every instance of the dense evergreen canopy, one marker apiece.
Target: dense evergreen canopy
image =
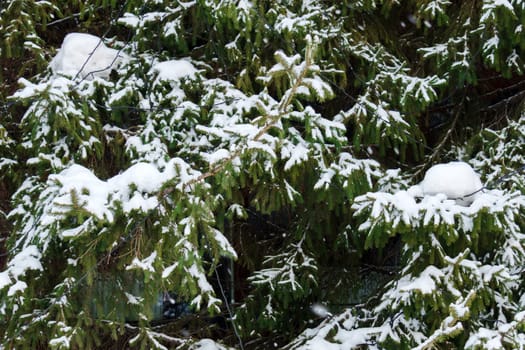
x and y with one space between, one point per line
244 171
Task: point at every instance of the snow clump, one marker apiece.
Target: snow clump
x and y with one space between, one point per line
320 310
175 70
456 180
84 55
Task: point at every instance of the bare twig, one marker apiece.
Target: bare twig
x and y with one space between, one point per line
438 148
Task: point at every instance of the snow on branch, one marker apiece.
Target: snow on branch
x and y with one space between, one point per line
134 189
254 136
289 269
344 167
450 195
27 259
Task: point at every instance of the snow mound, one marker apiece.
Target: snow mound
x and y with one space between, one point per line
456 180
84 55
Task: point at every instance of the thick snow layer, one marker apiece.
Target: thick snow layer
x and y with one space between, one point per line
174 70
456 180
134 189
84 55
27 259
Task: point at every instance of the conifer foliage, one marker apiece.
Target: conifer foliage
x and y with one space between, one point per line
256 164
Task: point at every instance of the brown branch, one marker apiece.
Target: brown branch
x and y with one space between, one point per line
438 148
518 96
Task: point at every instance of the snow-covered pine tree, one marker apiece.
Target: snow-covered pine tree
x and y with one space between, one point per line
282 135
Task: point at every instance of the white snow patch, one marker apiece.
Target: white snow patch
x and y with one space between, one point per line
207 344
4 279
145 264
325 179
168 270
320 310
406 204
224 243
297 155
136 188
196 273
217 156
132 299
85 55
415 191
456 180
140 203
146 178
90 190
319 343
62 341
425 282
19 286
175 70
485 338
27 259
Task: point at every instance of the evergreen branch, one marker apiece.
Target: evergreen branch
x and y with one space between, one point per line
442 334
389 81
271 121
451 325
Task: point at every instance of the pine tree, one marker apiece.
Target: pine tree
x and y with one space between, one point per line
283 137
